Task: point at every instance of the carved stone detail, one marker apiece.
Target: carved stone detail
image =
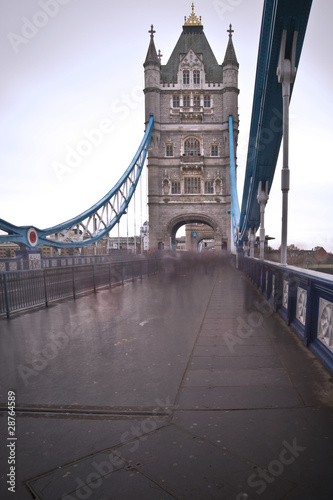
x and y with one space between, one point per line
285 294
325 323
301 305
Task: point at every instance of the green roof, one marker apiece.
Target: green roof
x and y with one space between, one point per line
193 38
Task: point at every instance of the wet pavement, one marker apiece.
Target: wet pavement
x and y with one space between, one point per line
184 385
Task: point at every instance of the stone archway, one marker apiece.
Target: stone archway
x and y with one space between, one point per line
178 221
195 233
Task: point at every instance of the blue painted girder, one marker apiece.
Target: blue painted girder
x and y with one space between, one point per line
20 234
266 122
235 213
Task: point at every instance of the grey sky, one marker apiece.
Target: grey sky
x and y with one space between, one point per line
83 65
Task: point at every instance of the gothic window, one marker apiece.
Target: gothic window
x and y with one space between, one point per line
196 101
209 187
196 77
186 101
169 150
186 77
176 101
192 185
192 147
214 151
175 187
207 101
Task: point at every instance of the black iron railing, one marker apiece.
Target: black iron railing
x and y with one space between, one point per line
21 290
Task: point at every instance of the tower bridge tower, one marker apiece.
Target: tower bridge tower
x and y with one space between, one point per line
191 98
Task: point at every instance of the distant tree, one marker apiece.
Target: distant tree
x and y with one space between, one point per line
292 248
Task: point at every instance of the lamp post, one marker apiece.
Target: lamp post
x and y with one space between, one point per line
262 200
286 72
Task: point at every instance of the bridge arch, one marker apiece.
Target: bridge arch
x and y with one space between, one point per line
192 218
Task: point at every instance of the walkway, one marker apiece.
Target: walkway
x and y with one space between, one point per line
178 387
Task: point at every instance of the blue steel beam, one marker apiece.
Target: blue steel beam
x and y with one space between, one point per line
266 121
235 213
94 223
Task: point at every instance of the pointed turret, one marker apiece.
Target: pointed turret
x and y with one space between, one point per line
152 67
230 58
230 80
230 66
152 57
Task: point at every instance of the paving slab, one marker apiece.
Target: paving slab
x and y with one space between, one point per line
174 457
194 386
235 350
240 377
241 362
235 398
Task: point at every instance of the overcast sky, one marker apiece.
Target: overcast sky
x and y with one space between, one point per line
82 65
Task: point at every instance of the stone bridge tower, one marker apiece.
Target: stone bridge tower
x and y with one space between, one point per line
191 98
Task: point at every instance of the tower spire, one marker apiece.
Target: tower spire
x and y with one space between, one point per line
152 57
230 54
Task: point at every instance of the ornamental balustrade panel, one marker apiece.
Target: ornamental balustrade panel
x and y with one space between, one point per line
303 298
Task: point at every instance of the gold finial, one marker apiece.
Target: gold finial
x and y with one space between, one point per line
192 19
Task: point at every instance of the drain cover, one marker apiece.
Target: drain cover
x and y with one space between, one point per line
100 476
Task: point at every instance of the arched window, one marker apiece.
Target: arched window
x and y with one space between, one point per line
192 147
192 185
186 77
196 101
186 101
196 77
209 187
207 101
214 150
175 187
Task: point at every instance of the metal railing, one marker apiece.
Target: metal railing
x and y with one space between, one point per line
20 264
304 298
20 290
